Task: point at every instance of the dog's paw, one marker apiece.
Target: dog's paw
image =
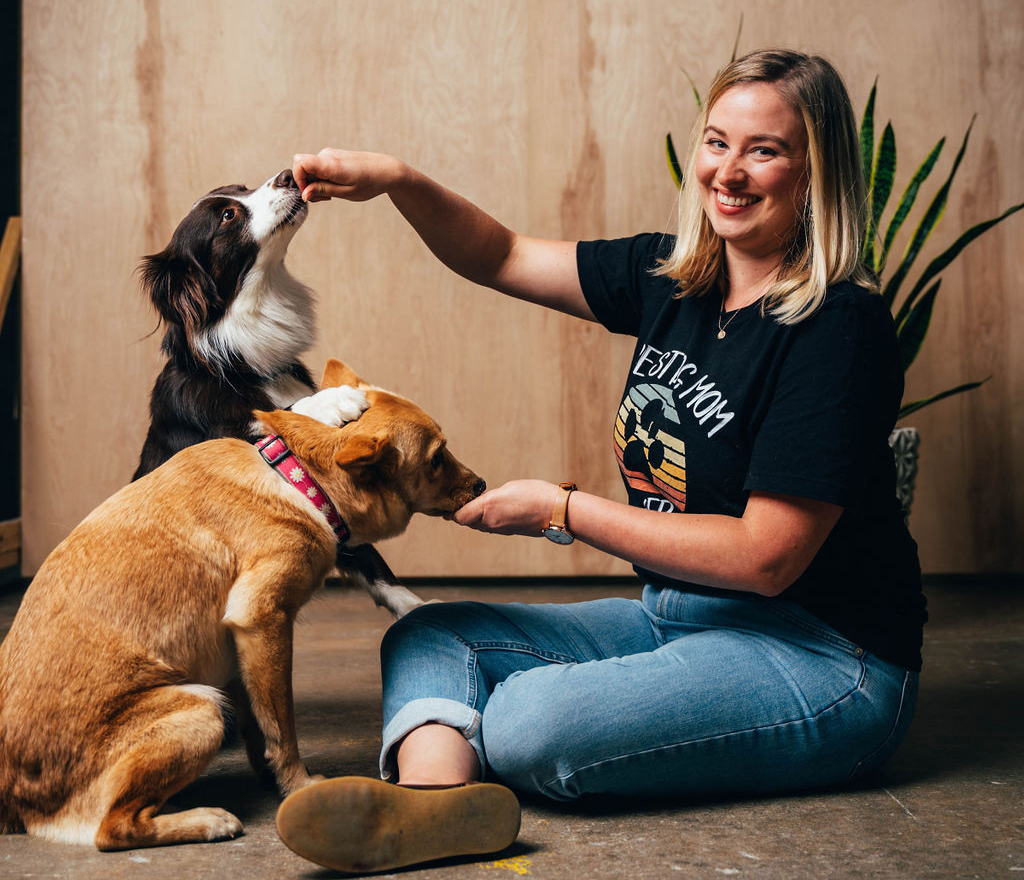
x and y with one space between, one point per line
220 824
297 777
400 610
333 406
173 825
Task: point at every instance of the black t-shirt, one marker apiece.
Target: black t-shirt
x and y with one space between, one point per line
803 409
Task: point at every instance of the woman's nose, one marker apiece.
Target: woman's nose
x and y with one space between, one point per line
731 169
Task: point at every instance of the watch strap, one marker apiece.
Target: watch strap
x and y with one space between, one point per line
561 509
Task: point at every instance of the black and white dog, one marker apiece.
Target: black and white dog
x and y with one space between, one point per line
236 320
236 323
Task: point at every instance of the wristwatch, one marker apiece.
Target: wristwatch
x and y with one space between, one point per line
556 529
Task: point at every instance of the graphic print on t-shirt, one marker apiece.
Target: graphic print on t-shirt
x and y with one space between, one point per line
651 455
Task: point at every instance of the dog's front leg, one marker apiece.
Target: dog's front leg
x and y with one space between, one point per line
265 659
374 575
263 638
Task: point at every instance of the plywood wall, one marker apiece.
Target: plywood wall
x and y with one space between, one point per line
551 114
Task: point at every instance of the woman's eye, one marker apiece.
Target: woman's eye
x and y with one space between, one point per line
229 214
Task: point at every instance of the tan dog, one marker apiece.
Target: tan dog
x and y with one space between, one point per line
192 576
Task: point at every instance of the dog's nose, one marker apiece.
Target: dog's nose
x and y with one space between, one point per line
478 488
284 180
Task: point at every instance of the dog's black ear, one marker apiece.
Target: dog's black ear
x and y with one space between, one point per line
180 289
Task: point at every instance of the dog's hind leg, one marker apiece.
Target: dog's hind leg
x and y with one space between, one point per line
373 574
170 735
249 729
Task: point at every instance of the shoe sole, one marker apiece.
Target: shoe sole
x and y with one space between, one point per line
358 824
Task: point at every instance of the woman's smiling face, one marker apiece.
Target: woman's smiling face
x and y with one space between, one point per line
751 169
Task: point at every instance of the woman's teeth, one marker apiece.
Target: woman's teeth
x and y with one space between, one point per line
736 201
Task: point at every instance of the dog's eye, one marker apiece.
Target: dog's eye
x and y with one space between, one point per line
229 214
437 460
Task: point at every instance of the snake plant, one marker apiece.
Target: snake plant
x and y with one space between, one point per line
914 312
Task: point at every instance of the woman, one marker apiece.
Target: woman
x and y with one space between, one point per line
777 642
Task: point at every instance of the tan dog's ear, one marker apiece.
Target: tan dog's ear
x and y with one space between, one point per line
362 450
336 373
309 439
269 421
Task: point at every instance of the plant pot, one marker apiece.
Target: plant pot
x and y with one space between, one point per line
905 443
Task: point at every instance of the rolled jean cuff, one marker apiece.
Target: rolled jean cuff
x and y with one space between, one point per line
425 711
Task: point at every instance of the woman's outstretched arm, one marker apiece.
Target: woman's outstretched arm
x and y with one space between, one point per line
462 236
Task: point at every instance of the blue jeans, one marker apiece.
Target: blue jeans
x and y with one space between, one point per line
673 694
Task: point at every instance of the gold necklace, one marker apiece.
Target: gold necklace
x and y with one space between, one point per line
721 329
721 311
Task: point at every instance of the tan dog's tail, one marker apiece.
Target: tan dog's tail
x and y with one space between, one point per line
10 820
10 824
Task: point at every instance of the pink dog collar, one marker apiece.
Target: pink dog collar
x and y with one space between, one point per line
276 453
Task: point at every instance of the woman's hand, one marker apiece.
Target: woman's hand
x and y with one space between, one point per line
522 507
342 174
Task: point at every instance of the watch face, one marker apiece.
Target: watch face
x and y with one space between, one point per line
559 536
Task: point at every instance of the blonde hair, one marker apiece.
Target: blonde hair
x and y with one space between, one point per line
826 244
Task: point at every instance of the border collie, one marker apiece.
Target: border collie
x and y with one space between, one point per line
236 320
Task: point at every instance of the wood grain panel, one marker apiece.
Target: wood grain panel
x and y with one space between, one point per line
551 115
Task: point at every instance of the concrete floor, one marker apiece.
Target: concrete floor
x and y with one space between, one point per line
950 804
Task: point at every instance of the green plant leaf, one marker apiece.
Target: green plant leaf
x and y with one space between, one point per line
736 45
867 134
924 229
903 208
915 327
950 254
693 86
883 171
673 162
915 405
670 151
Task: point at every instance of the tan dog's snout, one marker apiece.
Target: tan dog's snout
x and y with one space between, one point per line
474 487
452 484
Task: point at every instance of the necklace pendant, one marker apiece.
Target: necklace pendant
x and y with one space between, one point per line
721 334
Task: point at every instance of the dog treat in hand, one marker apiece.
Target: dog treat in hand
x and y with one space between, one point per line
333 406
